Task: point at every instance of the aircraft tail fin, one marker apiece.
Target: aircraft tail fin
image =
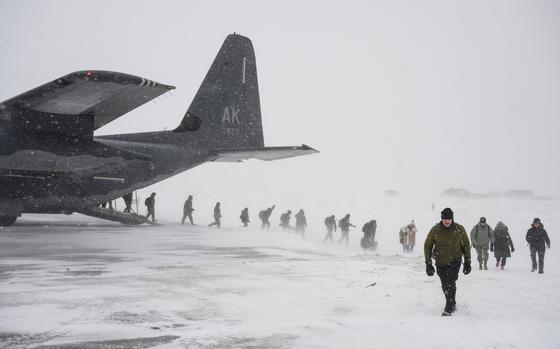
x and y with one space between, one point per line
226 108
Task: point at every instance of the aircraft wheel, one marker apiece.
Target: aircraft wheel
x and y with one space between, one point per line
7 220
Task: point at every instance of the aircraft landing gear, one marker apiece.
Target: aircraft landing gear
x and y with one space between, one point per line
7 220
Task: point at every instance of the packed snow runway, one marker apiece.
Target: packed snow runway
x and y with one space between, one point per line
76 282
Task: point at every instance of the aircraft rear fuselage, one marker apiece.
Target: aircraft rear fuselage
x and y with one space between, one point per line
54 179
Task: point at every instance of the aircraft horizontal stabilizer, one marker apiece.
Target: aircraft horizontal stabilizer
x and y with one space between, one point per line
79 103
265 154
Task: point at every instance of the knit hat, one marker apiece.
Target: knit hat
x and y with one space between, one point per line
447 213
482 219
536 221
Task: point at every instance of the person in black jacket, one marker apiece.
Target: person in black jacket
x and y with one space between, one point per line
502 244
537 238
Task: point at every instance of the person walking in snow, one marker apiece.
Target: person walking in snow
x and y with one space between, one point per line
344 225
481 238
150 203
368 240
264 216
217 216
301 222
448 243
537 238
285 220
245 217
188 210
407 236
502 245
127 202
330 223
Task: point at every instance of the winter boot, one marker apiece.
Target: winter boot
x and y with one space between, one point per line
502 267
485 265
479 265
452 302
498 264
448 309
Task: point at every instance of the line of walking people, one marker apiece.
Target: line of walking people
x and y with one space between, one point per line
447 244
369 229
498 240
483 238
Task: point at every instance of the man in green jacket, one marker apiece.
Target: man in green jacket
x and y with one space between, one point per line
447 242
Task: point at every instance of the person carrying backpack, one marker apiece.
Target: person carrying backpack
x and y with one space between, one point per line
330 223
344 225
244 216
481 238
188 210
285 220
264 216
150 203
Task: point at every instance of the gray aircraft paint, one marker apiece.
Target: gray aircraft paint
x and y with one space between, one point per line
51 163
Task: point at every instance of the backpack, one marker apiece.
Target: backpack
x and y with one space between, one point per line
147 202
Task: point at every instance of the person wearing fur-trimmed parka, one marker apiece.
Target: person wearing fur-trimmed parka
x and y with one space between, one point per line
502 245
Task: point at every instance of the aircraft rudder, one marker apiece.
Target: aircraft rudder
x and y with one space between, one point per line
226 107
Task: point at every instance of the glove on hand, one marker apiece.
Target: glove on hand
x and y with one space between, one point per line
491 247
473 246
512 249
466 268
430 269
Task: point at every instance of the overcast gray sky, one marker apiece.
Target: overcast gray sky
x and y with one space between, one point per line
412 95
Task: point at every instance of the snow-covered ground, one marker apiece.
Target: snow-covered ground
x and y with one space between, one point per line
74 279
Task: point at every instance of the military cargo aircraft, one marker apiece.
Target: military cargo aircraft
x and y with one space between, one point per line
51 162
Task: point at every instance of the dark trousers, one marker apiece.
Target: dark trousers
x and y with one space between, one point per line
501 261
265 223
540 251
217 222
185 215
448 274
151 212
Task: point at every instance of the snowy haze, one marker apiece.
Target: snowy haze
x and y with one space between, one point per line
412 96
405 95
